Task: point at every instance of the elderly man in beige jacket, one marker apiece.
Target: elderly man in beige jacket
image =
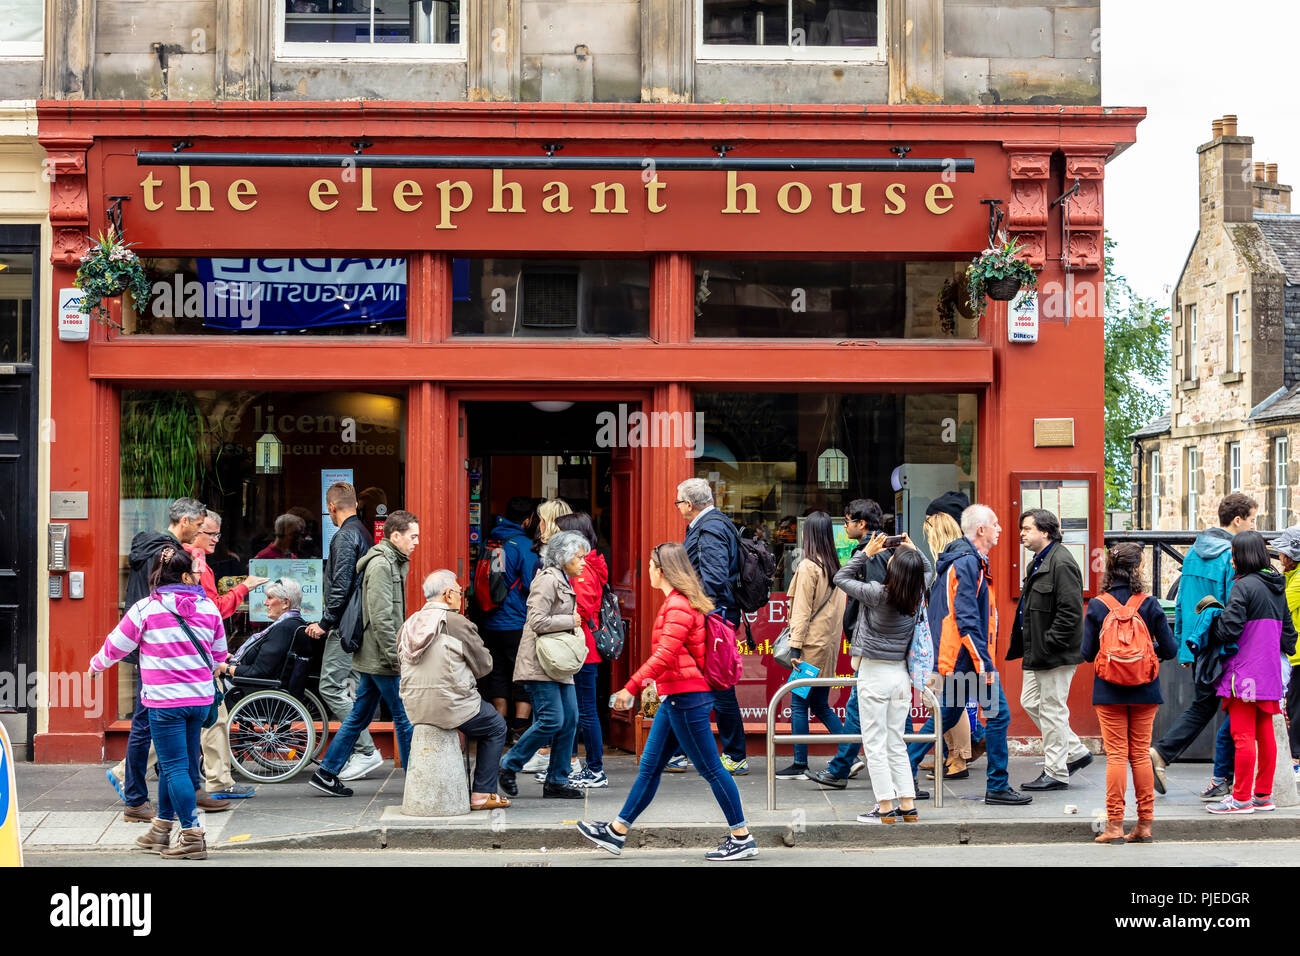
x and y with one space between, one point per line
442 657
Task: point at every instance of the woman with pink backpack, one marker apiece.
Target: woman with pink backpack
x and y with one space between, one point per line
1125 634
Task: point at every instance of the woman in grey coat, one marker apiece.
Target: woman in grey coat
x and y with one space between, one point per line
881 639
552 607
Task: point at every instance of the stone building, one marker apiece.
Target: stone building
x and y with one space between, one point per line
1234 419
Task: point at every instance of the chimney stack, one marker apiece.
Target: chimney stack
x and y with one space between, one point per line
1270 196
1228 192
1216 129
1259 171
1271 171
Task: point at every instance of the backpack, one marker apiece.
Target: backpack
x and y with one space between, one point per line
722 663
609 630
1127 655
490 588
756 568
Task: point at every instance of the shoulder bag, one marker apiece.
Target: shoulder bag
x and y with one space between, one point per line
781 650
214 712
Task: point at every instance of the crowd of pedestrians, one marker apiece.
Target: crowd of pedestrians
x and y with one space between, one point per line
521 685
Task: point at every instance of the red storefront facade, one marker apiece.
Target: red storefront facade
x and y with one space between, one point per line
669 220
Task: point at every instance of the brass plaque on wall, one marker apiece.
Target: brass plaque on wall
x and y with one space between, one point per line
1053 432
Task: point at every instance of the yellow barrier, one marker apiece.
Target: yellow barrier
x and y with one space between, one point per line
11 851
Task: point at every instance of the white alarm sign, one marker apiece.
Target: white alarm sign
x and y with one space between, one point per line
74 325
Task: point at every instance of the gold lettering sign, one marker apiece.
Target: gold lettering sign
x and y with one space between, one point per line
1053 432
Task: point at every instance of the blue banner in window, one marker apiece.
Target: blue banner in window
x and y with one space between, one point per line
291 294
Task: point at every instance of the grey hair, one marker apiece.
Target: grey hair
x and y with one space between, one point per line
562 548
287 589
976 516
697 491
215 517
285 522
439 583
183 508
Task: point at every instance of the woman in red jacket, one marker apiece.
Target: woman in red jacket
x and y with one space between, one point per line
676 665
588 589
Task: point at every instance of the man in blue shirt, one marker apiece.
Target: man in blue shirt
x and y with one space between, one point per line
504 626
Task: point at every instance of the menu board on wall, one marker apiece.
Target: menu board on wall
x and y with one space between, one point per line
1070 500
308 572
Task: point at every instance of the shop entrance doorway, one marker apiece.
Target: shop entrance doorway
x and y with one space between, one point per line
547 449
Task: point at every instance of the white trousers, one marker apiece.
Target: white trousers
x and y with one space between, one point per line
884 701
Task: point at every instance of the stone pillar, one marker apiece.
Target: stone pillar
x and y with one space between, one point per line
1284 788
435 780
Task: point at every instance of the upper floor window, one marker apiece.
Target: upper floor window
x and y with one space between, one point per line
1189 339
370 29
1234 336
22 27
1157 481
1192 485
1281 485
790 30
1234 466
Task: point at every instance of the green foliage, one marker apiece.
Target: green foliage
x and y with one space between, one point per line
166 446
108 269
1001 261
1137 376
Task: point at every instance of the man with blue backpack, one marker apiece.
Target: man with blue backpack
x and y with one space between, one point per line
510 548
1207 572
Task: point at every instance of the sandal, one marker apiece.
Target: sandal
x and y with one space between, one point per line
494 802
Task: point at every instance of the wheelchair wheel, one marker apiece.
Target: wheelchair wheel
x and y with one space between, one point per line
320 719
272 736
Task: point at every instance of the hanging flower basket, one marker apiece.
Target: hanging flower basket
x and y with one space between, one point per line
998 273
954 300
107 270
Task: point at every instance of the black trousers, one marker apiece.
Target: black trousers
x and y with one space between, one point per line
1293 710
487 731
1188 727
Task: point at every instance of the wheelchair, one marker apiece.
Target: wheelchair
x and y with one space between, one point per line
275 727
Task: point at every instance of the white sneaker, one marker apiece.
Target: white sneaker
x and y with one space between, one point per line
537 762
359 765
857 768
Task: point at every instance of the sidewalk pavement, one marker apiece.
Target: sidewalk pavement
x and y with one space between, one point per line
73 806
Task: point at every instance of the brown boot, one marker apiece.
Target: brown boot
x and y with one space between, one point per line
1114 832
1141 833
158 837
205 801
190 846
144 813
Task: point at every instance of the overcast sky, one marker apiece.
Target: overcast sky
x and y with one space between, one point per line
1189 62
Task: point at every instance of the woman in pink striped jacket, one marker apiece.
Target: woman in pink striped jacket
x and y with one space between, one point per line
181 639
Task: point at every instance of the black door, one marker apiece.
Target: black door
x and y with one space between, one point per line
19 303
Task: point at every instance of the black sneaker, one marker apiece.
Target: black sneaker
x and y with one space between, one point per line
506 782
563 791
827 779
733 848
1073 766
328 784
1007 798
877 815
603 835
793 772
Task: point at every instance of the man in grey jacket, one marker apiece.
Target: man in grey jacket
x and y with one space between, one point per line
442 659
383 573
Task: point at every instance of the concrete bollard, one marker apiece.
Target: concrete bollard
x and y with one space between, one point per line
435 780
1284 788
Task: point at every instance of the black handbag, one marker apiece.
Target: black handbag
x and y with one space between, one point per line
214 714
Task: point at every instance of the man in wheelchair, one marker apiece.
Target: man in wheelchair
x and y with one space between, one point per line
267 654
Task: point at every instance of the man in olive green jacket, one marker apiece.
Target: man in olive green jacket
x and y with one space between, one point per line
383 571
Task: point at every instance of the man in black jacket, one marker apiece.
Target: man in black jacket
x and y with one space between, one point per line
713 546
337 680
1047 634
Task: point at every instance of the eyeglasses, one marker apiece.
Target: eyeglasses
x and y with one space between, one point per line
214 535
681 501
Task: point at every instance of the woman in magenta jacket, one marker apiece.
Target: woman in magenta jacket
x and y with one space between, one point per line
588 589
676 665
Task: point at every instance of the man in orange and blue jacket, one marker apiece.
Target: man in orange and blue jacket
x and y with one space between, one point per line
964 627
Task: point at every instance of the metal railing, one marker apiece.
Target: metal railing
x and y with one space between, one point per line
1162 544
927 695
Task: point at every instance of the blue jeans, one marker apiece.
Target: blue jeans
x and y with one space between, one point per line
584 685
370 689
137 751
842 762
1225 752
818 702
995 733
175 732
555 720
682 719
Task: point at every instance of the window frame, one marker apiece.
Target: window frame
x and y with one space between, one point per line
1192 493
25 50
1190 364
790 53
1234 467
1281 488
372 51
1234 332
1156 477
